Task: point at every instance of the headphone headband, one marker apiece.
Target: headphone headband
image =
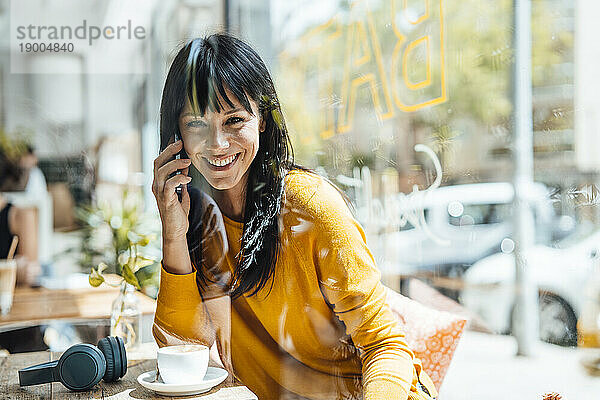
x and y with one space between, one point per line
37 374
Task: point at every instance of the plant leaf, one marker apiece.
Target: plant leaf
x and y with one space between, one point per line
130 277
142 262
123 257
101 267
95 278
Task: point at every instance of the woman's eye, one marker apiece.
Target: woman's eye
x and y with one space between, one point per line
195 124
234 120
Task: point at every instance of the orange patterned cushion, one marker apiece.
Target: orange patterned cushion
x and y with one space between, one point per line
432 335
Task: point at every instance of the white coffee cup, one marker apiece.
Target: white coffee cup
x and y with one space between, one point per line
183 364
8 278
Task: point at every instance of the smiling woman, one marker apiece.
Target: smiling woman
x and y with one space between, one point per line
220 99
306 314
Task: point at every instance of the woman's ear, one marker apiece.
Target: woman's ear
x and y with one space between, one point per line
263 124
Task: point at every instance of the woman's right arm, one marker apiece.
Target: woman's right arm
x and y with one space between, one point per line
180 315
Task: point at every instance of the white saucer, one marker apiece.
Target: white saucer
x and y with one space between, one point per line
213 377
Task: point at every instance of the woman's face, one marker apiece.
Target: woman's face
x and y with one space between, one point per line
222 144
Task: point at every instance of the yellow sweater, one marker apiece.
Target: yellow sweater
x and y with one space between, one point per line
323 332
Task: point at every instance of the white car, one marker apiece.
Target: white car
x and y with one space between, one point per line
464 223
560 273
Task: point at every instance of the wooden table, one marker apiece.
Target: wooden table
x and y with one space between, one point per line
127 388
36 306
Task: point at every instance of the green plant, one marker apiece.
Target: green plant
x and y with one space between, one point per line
114 243
129 262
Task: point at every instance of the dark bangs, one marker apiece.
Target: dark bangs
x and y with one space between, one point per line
214 64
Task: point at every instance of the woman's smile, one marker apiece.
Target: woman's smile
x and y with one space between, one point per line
222 163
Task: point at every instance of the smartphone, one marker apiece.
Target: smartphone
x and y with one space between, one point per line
181 154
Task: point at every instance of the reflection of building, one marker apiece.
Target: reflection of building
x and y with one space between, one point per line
568 154
553 25
557 136
473 143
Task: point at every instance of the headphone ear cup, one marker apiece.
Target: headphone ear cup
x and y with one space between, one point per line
114 341
123 354
107 349
81 367
113 349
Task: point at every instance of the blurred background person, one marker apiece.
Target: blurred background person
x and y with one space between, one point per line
18 221
36 184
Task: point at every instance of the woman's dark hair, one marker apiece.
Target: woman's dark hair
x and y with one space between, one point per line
200 70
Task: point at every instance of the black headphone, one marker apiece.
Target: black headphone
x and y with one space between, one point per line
82 366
